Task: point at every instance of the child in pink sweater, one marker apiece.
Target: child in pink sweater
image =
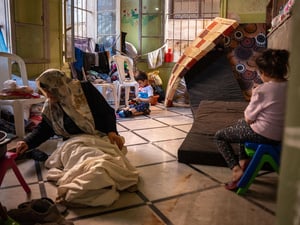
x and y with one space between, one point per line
264 116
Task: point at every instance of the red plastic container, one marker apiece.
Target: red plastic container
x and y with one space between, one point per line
169 57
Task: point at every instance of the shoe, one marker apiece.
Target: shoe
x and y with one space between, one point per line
38 211
125 113
232 185
121 114
61 208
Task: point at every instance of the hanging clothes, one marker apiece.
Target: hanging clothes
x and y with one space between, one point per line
156 57
3 46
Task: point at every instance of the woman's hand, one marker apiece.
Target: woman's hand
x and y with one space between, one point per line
115 139
21 147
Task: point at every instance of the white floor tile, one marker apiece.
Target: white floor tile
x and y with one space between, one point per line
141 124
162 113
27 169
171 179
121 128
186 128
159 134
136 216
182 110
176 120
170 146
126 200
214 207
131 138
146 154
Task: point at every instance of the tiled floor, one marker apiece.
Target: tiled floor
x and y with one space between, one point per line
168 192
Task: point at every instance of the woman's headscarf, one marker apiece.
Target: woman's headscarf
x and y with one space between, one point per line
70 98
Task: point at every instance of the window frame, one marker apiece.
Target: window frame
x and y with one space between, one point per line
69 31
177 41
183 15
14 25
116 46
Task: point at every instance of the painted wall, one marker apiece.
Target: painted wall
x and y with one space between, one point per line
251 11
288 201
129 20
29 42
164 71
151 26
151 23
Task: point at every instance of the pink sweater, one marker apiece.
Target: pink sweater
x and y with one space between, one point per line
267 108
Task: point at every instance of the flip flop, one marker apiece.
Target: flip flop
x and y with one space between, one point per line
61 208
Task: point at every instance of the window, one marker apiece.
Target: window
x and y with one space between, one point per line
174 22
151 25
80 25
185 9
88 22
186 19
108 25
23 33
5 38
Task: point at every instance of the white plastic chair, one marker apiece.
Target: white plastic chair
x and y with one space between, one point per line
125 82
103 89
18 105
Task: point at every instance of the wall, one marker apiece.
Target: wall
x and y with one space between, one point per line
251 11
151 26
280 37
288 201
29 42
164 71
129 20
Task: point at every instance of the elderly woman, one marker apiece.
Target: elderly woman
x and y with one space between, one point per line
72 107
90 165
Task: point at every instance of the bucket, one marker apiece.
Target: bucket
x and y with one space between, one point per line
154 100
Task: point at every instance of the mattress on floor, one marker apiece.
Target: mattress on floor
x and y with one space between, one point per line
198 146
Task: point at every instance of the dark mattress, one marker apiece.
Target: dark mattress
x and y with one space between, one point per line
198 146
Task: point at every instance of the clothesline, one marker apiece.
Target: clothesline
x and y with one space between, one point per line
155 58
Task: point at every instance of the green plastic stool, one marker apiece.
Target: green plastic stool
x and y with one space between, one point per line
260 154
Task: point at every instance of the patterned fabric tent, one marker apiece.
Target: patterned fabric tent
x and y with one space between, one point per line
205 42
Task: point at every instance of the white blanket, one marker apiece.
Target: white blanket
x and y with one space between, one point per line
89 170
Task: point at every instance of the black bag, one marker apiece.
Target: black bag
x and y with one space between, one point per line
158 90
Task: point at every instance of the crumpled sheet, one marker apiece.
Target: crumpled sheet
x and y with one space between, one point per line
89 170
